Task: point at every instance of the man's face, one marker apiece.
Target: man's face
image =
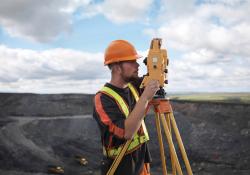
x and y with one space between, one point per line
129 70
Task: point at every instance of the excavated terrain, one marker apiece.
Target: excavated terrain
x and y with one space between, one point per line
38 131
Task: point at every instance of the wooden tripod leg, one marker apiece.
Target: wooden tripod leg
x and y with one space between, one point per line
171 144
181 146
158 127
118 158
167 116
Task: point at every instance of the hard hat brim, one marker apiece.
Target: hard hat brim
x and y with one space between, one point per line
129 58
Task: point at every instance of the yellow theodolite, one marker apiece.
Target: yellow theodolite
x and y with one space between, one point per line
157 62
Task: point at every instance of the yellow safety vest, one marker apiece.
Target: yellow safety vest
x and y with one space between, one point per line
137 140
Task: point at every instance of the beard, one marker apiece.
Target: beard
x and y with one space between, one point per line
130 78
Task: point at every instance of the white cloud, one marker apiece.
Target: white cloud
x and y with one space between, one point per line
224 2
40 21
202 56
53 86
212 40
44 21
190 76
119 11
51 71
213 25
174 8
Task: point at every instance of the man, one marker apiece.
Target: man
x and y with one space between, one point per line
119 109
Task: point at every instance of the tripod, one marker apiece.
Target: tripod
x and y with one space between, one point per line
163 115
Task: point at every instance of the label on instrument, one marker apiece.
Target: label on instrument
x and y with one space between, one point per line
155 59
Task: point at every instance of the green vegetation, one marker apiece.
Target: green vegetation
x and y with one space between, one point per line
239 98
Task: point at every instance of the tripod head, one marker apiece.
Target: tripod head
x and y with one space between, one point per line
157 63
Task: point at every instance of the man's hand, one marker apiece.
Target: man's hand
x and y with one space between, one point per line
152 87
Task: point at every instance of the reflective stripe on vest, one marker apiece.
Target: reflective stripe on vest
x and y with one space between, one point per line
134 92
137 140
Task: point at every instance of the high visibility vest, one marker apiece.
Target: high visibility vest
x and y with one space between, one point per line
137 139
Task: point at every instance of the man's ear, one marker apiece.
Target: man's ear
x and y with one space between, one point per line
117 68
114 68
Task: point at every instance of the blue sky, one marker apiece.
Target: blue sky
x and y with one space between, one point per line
57 46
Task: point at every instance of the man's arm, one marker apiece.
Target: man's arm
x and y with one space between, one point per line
133 122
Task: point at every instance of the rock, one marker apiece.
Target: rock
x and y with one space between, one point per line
41 130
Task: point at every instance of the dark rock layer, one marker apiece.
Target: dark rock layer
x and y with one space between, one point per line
41 130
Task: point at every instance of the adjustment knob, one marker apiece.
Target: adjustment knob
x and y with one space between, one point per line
145 61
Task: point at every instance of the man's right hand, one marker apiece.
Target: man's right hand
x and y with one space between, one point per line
152 87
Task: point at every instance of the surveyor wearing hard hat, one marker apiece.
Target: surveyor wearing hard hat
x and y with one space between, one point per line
119 109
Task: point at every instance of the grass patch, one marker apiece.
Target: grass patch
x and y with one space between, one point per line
238 98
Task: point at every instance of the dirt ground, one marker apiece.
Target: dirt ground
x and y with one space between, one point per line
32 137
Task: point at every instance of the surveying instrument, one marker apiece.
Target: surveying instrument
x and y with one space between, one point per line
157 63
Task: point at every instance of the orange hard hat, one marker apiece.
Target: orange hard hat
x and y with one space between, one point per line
120 50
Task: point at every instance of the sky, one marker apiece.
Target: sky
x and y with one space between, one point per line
57 46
